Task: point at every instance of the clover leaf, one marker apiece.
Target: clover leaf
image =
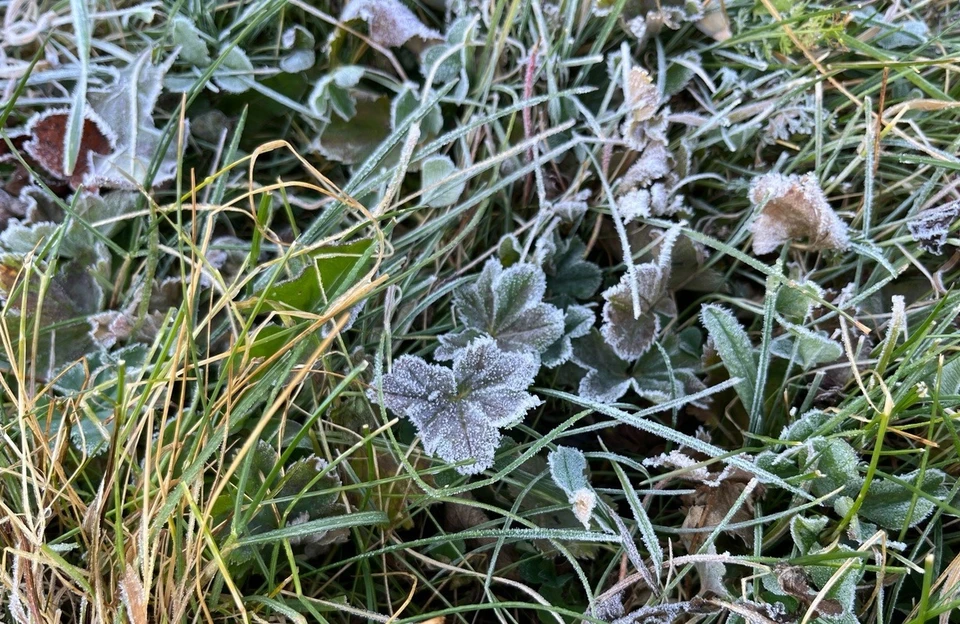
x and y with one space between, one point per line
459 413
507 305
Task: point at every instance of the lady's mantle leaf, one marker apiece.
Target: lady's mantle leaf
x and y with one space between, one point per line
577 323
793 207
629 333
733 345
506 304
608 377
459 413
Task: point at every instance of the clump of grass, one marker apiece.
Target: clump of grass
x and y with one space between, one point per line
569 311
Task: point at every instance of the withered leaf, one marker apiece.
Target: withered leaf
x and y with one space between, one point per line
46 144
794 207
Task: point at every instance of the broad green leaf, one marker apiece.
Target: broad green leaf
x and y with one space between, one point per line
839 466
894 506
334 269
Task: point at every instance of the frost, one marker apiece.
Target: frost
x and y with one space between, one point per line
506 304
332 92
434 174
892 505
608 377
193 49
128 106
568 468
46 145
577 322
484 392
233 71
390 23
793 207
794 117
300 44
571 210
656 201
838 465
655 162
628 330
812 347
931 227
734 347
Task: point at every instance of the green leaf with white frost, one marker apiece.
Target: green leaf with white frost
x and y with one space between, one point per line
733 346
234 71
568 467
809 348
894 506
438 190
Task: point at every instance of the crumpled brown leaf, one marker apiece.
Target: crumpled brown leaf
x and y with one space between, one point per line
794 207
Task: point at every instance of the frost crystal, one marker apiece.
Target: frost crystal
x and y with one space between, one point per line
459 413
793 207
931 227
390 22
506 304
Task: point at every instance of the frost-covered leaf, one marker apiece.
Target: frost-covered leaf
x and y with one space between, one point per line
805 427
405 104
931 227
630 330
608 377
459 413
434 171
656 162
892 505
569 275
577 322
509 250
299 43
73 294
904 33
568 468
234 71
794 207
838 466
733 345
812 347
656 201
389 22
806 532
571 210
46 144
795 303
333 92
186 36
506 304
350 142
304 491
128 105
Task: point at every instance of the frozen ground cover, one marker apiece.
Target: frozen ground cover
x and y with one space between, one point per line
607 311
